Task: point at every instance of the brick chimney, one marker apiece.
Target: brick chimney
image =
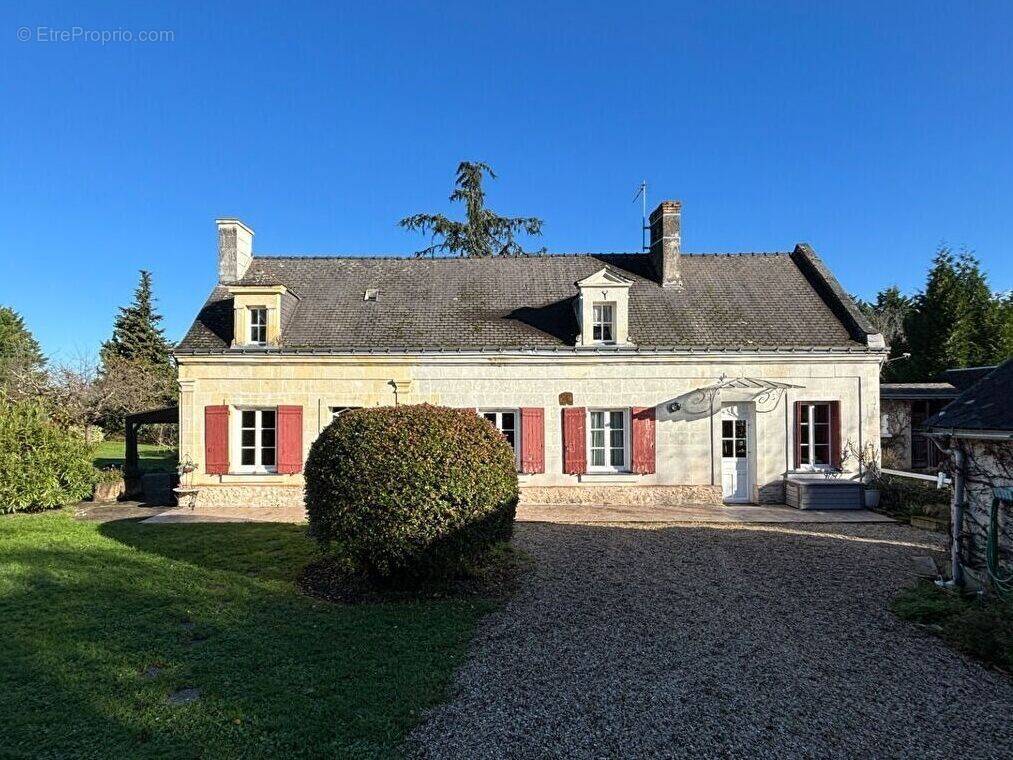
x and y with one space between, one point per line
666 237
235 250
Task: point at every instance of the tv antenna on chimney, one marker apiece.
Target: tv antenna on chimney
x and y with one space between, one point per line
642 194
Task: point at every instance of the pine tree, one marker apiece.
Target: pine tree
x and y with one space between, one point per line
485 233
22 365
136 334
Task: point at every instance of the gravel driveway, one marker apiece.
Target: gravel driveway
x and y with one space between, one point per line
740 641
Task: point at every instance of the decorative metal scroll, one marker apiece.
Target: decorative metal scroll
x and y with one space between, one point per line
767 394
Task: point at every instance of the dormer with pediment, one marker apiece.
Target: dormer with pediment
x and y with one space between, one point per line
603 309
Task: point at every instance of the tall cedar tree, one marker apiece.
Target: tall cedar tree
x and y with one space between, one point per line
22 365
136 334
484 233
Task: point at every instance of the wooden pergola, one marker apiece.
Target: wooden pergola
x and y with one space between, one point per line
167 415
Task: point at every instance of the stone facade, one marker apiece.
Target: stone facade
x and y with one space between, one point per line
989 466
688 435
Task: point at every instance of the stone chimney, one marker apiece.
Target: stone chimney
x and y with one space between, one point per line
666 242
235 250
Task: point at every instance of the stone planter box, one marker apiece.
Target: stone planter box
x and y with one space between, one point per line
105 492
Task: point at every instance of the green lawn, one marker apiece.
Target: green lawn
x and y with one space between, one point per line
86 609
152 457
982 628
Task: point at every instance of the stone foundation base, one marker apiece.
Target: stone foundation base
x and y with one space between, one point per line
249 496
622 496
619 496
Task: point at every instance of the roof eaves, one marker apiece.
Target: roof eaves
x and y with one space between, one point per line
823 280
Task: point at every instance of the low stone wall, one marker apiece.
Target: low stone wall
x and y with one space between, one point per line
622 496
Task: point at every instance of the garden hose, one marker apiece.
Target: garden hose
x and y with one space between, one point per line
1002 582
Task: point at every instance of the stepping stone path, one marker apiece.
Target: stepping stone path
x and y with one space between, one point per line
184 696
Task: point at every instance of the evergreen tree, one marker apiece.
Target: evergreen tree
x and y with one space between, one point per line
484 233
1004 327
22 365
930 324
973 341
888 314
136 334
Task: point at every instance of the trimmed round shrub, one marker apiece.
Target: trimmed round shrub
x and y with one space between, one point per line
410 489
41 464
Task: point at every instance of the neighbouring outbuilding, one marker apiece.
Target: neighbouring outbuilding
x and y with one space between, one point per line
976 431
904 407
623 378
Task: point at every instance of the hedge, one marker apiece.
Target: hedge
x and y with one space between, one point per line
41 465
410 489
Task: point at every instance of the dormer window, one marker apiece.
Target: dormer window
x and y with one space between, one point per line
603 307
604 326
257 314
258 326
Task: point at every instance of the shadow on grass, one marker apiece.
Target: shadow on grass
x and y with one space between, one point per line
275 551
88 610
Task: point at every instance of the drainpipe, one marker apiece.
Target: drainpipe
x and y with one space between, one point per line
956 528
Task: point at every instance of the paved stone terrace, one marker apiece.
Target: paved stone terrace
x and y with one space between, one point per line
598 513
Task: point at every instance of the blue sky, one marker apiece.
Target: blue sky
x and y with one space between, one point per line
873 131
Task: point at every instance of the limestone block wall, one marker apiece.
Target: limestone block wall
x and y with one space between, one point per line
688 439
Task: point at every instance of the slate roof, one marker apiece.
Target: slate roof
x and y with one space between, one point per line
985 406
729 301
902 391
963 378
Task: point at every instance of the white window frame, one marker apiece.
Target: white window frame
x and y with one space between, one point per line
257 468
498 424
258 326
627 453
599 307
811 446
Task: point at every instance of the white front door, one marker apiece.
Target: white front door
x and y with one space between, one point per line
736 438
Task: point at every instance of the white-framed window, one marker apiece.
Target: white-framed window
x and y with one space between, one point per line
608 440
604 322
814 435
257 440
508 422
258 325
337 411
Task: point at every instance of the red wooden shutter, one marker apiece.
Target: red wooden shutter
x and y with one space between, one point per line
216 440
798 434
289 439
574 444
533 440
835 433
643 440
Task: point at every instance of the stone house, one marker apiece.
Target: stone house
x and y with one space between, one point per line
630 378
976 430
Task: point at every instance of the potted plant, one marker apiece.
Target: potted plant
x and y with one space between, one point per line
109 485
867 459
185 491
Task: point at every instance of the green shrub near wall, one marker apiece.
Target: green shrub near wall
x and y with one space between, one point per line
41 465
411 489
902 497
